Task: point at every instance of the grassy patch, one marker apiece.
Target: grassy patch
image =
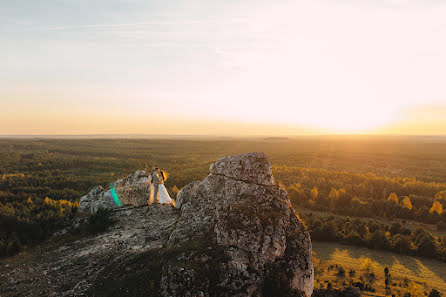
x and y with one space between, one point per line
404 270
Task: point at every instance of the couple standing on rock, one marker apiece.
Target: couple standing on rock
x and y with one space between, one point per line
158 191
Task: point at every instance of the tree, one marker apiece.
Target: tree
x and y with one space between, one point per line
436 207
314 193
395 228
393 198
414 289
441 226
297 196
368 266
401 244
441 195
427 246
434 293
407 203
378 240
333 197
330 230
334 194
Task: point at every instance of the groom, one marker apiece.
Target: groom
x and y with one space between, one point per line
156 180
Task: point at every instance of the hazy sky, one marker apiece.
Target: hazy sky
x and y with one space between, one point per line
224 67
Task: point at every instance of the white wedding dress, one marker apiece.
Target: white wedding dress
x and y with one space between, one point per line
164 197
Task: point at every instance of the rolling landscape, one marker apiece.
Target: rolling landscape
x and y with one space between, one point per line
210 148
379 201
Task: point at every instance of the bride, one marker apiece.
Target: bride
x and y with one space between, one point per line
158 192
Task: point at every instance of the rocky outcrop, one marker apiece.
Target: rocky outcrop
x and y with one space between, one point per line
239 234
234 234
185 193
132 190
123 261
251 168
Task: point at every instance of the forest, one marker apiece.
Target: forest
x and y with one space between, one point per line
343 187
365 195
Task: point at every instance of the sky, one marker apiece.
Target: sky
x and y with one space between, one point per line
223 67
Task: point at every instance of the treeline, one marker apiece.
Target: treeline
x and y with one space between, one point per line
41 182
30 221
376 235
65 170
365 195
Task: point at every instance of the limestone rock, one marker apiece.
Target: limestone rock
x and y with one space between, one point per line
94 200
132 190
239 234
251 167
186 193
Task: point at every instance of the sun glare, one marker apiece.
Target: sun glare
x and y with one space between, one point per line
346 119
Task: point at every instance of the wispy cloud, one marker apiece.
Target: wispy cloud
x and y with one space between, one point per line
139 24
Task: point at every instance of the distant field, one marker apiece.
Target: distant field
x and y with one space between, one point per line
428 273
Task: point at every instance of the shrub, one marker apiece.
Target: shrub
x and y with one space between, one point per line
368 266
434 293
341 271
441 226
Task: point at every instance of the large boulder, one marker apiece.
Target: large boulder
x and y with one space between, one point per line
132 190
238 236
186 193
96 199
251 168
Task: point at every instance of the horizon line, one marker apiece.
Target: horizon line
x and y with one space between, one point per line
120 135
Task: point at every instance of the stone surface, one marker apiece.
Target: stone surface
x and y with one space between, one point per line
235 234
251 167
132 190
95 265
185 194
239 230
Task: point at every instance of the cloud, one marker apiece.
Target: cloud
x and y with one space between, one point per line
143 24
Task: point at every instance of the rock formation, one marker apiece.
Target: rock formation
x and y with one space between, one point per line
132 190
185 193
238 229
233 234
